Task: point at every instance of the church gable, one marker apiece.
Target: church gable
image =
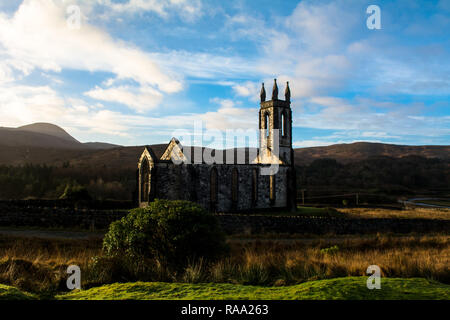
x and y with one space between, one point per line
147 155
266 156
174 152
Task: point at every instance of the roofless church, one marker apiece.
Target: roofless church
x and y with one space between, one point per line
263 180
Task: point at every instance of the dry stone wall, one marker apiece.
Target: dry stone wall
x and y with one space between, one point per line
21 214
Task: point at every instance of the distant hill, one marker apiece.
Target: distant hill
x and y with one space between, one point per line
45 143
45 135
50 130
109 171
346 153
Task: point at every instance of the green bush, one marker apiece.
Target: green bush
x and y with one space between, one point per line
170 232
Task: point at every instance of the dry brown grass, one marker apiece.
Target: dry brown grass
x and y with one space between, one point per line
412 256
40 265
412 213
37 265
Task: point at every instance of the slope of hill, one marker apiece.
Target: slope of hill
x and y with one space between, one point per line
17 141
41 143
48 129
17 138
346 153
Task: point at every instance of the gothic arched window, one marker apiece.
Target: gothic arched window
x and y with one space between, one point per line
283 124
145 180
266 124
272 192
254 186
234 185
213 186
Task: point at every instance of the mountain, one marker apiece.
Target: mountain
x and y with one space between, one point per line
48 129
100 145
44 143
44 135
347 153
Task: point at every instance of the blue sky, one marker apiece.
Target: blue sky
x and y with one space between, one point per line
137 72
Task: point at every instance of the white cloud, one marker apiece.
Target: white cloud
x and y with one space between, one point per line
140 99
37 36
358 118
228 116
22 105
6 74
188 10
205 65
248 89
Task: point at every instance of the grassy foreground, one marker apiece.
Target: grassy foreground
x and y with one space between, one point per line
349 288
11 293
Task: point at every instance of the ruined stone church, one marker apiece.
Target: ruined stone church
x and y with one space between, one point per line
259 181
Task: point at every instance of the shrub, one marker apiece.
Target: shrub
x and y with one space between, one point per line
75 192
171 232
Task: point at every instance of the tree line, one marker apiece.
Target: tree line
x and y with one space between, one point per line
379 175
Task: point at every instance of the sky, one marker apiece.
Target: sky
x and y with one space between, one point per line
138 72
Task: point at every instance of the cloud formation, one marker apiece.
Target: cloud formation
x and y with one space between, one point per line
37 37
375 85
188 10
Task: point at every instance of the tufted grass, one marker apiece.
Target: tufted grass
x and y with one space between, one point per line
39 267
11 293
348 288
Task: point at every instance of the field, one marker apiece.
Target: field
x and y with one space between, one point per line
353 288
38 266
413 266
368 213
411 213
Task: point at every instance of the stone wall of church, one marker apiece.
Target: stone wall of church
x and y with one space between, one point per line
193 182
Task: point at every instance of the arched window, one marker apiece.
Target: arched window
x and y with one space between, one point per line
234 185
272 186
145 180
283 124
213 186
266 124
254 186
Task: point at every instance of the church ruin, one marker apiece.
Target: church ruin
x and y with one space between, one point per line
228 185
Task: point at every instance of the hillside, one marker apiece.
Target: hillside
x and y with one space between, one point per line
44 135
48 129
346 153
43 143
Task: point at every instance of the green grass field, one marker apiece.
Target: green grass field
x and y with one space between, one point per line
11 293
349 288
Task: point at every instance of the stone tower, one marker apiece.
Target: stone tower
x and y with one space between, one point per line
275 122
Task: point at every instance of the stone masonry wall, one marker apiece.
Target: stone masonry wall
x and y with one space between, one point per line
45 217
192 182
245 224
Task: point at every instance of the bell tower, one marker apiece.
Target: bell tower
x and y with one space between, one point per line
275 125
